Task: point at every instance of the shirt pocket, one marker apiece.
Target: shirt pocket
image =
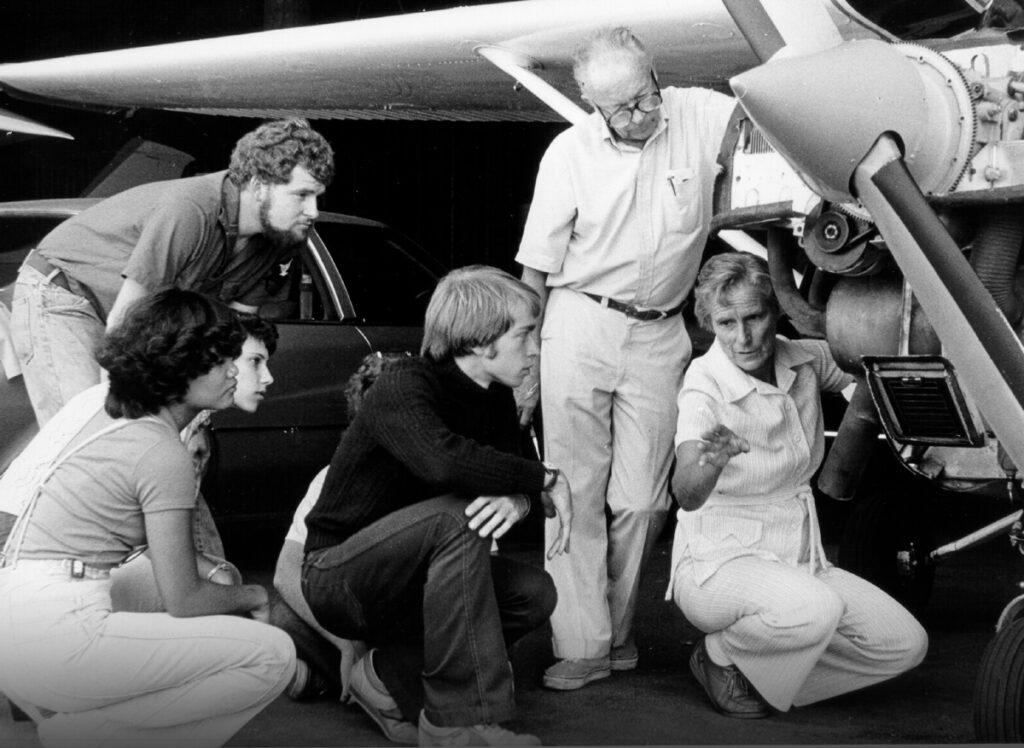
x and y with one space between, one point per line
683 185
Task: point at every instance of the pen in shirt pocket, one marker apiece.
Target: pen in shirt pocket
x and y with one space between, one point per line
678 177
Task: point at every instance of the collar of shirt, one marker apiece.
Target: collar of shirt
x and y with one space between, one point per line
228 215
736 383
606 132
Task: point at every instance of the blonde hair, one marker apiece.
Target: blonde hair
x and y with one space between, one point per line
473 306
726 271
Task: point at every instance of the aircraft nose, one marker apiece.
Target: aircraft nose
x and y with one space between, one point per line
824 111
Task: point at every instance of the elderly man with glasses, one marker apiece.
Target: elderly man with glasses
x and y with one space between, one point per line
612 243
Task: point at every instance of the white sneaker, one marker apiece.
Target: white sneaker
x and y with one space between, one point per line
367 690
465 735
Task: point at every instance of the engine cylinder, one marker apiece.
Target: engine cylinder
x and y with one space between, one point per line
864 318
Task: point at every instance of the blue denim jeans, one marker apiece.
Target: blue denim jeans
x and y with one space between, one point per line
55 334
425 591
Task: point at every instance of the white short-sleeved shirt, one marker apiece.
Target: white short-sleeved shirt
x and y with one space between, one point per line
624 222
297 532
762 501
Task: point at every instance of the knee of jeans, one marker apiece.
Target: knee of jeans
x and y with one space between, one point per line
450 514
542 597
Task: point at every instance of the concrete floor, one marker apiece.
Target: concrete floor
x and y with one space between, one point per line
661 704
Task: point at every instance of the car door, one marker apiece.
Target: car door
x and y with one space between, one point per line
357 287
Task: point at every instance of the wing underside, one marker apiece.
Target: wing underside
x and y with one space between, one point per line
415 66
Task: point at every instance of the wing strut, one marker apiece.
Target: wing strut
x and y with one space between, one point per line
518 67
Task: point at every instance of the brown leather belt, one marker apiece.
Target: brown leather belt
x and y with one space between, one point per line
36 261
645 315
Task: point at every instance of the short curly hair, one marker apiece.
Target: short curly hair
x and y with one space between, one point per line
369 369
273 149
165 341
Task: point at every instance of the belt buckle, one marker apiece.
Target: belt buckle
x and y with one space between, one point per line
77 569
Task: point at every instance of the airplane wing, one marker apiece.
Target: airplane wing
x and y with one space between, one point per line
422 66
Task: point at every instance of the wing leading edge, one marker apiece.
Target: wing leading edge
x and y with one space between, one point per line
421 66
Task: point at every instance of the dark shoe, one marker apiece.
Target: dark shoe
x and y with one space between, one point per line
568 675
625 656
730 692
368 691
307 684
471 735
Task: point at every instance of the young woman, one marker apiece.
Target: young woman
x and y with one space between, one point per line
120 479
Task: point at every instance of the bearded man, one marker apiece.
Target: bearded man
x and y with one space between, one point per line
224 234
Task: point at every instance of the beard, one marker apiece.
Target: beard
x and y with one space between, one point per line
277 238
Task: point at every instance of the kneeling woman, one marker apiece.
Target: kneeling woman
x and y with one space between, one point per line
748 565
118 481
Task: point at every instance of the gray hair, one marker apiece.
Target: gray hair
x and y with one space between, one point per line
608 42
473 306
724 272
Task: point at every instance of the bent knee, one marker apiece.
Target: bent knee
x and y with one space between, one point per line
278 653
812 618
541 597
913 645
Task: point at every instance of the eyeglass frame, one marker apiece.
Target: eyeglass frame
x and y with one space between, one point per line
631 109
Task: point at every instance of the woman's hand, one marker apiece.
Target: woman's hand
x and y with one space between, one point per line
720 445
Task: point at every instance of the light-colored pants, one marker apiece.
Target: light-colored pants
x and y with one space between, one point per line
608 388
797 637
130 679
55 334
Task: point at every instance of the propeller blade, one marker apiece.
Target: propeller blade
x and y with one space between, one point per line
976 337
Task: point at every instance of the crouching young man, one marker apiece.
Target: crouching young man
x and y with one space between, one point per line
426 475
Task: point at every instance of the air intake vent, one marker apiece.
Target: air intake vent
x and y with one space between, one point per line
758 143
920 401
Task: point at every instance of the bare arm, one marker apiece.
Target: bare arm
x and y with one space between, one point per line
131 291
699 465
528 393
184 593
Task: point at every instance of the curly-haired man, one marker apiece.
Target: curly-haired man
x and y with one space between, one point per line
222 234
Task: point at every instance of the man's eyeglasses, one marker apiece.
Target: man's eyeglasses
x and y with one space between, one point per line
646 104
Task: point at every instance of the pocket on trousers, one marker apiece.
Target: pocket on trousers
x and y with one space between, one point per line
729 532
21 328
333 603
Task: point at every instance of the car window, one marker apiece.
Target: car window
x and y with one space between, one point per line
388 279
19 234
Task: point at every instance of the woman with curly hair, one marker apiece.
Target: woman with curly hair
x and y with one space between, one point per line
100 484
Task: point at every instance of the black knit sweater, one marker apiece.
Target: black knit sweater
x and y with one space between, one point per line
424 429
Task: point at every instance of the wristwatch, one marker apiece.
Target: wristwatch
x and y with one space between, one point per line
552 474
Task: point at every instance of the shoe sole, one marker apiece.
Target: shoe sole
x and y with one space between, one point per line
571 684
698 673
625 664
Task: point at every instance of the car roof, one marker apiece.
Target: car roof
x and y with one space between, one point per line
69 206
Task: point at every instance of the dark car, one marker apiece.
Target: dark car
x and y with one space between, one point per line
361 287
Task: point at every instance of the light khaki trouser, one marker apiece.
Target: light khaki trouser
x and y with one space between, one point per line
608 394
130 679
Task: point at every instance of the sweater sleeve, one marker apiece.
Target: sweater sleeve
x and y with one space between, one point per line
406 420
